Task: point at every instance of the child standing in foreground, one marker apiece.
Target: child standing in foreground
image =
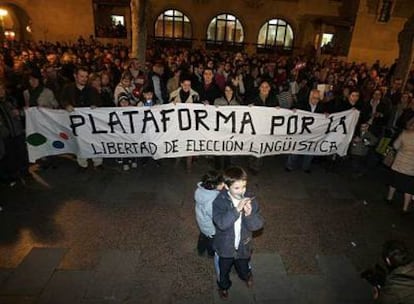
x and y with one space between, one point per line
207 190
235 217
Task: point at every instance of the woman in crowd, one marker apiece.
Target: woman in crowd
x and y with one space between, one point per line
402 170
37 95
229 98
107 92
125 88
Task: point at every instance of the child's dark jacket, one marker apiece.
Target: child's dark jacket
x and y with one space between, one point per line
224 216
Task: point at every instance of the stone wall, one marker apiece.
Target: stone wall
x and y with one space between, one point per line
66 20
374 40
62 20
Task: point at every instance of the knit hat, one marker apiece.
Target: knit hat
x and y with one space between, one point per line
123 97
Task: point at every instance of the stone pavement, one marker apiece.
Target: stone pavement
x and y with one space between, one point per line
36 280
115 237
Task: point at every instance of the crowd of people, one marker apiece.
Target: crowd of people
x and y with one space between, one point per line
86 73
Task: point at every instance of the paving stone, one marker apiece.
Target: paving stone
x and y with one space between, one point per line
156 289
4 274
195 299
270 287
101 301
311 289
267 263
290 301
113 279
336 267
66 287
34 272
341 275
17 299
340 193
290 190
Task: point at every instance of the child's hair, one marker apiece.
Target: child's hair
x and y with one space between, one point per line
211 180
126 75
234 174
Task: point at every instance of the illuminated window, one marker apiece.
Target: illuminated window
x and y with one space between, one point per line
118 20
225 28
276 33
326 39
173 24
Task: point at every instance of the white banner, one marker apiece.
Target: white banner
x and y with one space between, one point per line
186 129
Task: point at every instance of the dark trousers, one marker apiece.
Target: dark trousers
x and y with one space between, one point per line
225 265
295 159
359 164
14 164
222 162
204 244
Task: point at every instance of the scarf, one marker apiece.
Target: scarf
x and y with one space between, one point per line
184 95
34 94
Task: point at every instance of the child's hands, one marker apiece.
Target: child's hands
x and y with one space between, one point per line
248 208
242 203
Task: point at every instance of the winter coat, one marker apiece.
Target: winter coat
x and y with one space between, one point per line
224 216
204 209
399 286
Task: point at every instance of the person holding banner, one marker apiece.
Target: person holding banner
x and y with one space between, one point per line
80 94
313 105
185 94
209 91
264 98
37 95
148 100
229 98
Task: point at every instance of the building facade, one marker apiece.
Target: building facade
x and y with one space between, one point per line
360 30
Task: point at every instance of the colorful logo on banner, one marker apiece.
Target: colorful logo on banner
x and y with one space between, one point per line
37 139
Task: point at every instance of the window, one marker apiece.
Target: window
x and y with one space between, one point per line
118 20
225 28
276 33
173 24
110 21
326 39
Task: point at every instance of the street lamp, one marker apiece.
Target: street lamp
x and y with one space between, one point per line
3 13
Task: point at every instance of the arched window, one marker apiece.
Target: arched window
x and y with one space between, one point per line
225 28
276 33
173 24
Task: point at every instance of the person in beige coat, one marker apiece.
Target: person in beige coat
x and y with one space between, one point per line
402 178
185 94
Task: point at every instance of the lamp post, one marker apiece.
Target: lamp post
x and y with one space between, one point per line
3 13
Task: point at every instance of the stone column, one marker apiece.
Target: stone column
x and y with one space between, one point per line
405 57
139 29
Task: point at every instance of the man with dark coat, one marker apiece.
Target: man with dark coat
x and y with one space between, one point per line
80 94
